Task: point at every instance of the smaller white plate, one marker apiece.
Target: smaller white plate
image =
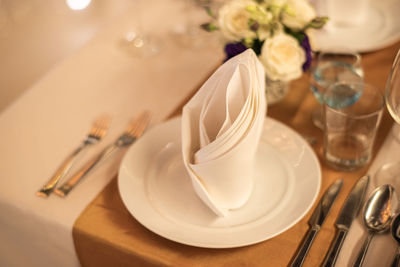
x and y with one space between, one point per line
380 29
157 191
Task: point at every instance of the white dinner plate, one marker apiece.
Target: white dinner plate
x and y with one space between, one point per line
157 190
380 29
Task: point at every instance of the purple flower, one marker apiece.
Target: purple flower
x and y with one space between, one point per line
233 49
305 43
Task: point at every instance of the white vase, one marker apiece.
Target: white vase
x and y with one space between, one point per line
275 91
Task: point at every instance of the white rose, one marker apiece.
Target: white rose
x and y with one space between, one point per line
297 14
233 20
282 57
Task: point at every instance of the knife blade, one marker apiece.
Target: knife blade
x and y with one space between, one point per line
349 211
316 220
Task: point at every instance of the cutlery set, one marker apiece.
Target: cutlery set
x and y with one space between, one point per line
316 220
134 130
96 133
378 217
345 218
378 213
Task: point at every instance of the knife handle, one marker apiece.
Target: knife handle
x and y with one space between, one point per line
305 246
333 252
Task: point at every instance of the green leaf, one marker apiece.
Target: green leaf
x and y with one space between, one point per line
248 42
210 12
210 27
257 45
317 23
298 35
251 8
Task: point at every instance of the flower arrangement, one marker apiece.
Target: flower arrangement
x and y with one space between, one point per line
277 30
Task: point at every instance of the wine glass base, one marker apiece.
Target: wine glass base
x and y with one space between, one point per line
190 36
141 46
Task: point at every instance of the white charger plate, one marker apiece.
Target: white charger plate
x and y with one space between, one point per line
157 191
380 29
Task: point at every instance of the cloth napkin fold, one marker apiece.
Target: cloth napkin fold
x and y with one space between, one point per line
221 128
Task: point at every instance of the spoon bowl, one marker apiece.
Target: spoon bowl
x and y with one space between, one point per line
379 209
377 215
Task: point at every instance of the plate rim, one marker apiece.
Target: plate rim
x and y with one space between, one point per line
201 243
388 40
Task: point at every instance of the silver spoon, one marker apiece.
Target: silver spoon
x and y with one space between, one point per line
395 231
378 213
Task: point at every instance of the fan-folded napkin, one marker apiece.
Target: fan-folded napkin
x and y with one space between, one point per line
221 129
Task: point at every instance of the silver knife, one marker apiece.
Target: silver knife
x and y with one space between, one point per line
316 220
346 216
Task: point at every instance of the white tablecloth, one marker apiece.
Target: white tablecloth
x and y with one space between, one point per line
35 35
54 115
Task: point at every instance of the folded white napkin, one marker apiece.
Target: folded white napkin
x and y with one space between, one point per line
221 128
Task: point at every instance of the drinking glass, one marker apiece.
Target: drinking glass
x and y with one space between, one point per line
392 94
329 68
389 173
352 114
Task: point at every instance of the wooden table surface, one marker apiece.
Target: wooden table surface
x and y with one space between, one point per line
106 234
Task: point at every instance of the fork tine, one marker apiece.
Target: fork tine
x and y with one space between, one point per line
138 125
100 126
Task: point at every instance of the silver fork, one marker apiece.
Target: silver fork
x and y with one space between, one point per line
96 133
134 130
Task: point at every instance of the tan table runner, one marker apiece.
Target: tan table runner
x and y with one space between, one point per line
106 234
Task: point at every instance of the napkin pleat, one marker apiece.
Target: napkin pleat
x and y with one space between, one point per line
212 116
226 139
221 128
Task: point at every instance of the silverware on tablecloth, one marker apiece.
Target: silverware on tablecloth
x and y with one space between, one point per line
346 216
96 133
134 130
378 213
395 231
316 220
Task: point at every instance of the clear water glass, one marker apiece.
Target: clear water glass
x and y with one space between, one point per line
352 114
329 68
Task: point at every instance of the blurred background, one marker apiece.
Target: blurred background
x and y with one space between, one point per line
35 35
